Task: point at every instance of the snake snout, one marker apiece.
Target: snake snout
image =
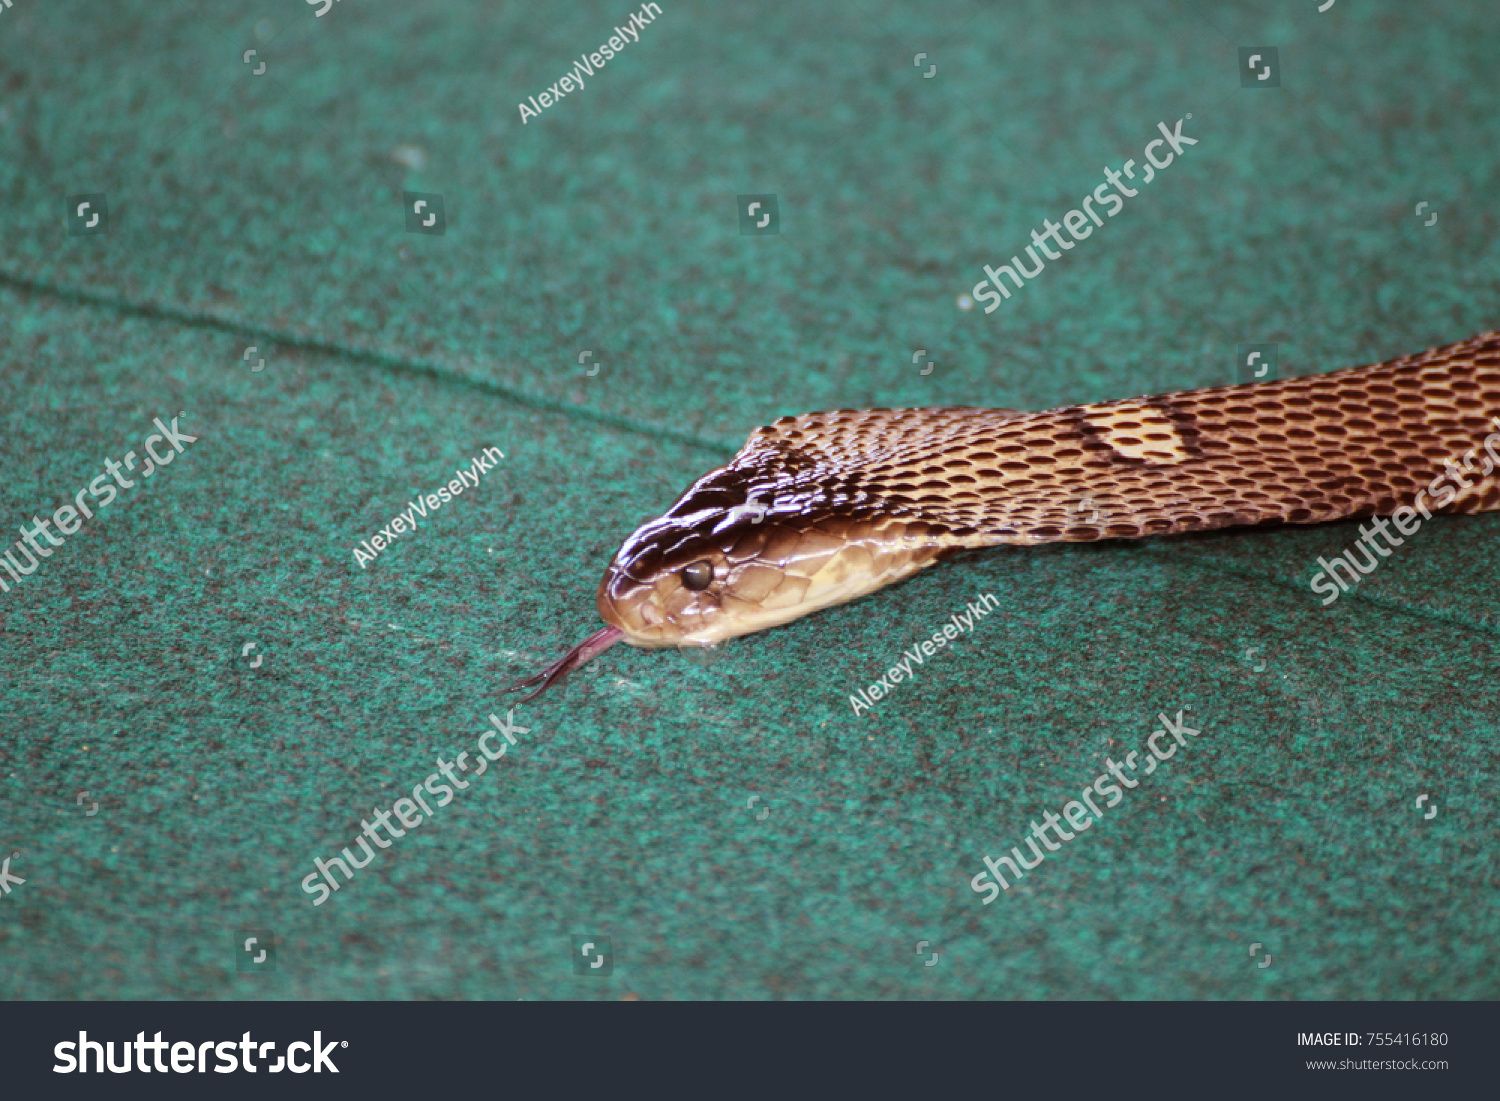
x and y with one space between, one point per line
661 609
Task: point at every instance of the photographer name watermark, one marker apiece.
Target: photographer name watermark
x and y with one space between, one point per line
867 698
424 503
591 62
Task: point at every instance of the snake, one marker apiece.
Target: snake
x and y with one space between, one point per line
823 508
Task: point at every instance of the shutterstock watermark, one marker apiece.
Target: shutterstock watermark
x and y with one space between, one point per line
919 653
405 810
1405 519
188 1057
1077 222
589 63
1074 811
102 490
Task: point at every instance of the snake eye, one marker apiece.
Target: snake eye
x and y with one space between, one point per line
698 576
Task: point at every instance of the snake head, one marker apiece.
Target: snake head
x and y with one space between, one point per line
803 518
740 552
680 579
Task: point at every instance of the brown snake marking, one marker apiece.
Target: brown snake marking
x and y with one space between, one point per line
822 508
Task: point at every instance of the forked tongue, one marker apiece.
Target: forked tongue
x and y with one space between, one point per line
585 651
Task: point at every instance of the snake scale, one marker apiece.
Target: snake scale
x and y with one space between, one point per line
822 508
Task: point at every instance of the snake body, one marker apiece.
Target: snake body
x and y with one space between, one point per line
819 509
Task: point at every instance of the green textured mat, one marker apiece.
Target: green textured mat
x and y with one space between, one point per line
731 830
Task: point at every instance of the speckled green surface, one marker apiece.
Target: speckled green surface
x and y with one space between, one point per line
267 210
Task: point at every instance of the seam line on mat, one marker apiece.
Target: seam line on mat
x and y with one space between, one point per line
152 311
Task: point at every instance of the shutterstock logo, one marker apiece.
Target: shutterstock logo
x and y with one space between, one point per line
492 746
190 1058
592 955
1083 813
1260 67
1081 223
1377 539
6 879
